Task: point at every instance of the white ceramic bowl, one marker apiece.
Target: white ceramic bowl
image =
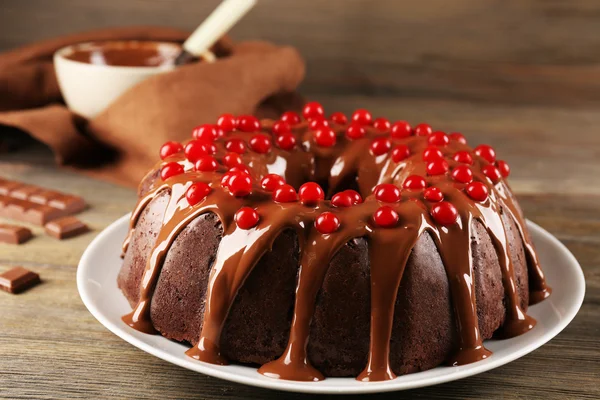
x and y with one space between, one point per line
88 89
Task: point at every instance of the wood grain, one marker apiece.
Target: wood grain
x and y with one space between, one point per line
52 347
527 51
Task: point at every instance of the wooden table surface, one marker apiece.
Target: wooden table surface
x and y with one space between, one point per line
52 347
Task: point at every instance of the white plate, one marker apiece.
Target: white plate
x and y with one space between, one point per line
97 283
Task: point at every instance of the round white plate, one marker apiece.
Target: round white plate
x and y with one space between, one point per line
97 283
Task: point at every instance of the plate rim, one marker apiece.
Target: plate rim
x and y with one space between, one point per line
314 387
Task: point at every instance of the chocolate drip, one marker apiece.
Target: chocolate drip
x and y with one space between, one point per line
386 273
454 246
389 249
538 289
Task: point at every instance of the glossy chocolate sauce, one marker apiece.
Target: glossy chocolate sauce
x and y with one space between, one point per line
126 53
389 248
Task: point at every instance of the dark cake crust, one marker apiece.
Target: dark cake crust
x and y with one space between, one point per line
258 325
418 254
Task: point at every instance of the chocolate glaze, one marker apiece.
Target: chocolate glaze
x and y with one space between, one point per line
126 53
389 249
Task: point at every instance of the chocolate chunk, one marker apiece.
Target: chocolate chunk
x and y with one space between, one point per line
68 203
13 234
24 192
43 196
8 186
66 227
36 205
41 215
18 279
26 211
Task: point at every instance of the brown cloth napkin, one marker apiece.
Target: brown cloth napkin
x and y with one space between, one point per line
122 143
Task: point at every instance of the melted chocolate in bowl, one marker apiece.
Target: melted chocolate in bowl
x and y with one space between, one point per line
126 53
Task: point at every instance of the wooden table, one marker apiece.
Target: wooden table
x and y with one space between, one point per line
51 347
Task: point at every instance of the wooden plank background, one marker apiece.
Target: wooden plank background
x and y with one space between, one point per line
514 51
522 75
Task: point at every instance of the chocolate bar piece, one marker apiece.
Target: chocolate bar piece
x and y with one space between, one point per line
43 196
36 205
69 204
66 227
26 211
18 279
14 234
24 192
8 186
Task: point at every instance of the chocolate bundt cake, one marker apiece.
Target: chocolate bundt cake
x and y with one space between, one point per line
318 247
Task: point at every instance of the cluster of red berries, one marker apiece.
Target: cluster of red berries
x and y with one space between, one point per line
310 194
437 165
201 150
386 217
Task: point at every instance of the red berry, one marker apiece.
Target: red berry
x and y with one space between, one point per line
423 130
492 172
503 168
386 217
381 124
433 194
232 159
342 199
400 152
170 148
236 145
415 182
246 218
281 127
380 146
196 193
220 133
206 132
260 143
401 129
356 197
240 184
339 118
286 141
196 149
477 191
285 194
170 169
462 174
271 182
313 110
325 137
362 117
248 123
432 153
206 163
227 122
290 117
438 139
327 223
463 157
444 213
355 131
486 152
240 168
458 137
387 193
437 167
310 193
318 123
225 178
